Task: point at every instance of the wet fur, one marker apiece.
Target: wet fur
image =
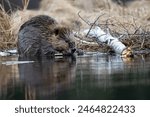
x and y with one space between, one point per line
42 35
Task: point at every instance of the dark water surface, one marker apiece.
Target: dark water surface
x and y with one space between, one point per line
89 77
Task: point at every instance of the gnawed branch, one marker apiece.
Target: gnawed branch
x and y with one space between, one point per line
97 34
101 37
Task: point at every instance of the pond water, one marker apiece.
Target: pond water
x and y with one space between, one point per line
96 76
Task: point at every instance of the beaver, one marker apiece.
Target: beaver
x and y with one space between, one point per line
42 35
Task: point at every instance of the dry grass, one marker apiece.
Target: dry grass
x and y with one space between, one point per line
7 38
132 22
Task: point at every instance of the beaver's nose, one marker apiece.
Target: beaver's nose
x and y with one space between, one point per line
73 50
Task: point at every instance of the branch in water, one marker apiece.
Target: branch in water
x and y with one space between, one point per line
113 42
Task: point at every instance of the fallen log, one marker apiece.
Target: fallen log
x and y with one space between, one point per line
101 37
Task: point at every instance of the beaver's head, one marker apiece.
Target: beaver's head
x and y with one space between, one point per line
65 38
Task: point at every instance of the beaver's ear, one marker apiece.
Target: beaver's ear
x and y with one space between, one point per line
56 31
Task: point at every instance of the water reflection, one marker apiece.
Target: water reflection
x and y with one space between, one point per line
88 77
47 77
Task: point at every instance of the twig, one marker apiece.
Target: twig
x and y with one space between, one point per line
8 2
107 28
142 44
83 18
93 24
143 41
124 28
25 4
137 30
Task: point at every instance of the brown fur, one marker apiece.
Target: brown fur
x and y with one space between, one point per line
42 35
63 39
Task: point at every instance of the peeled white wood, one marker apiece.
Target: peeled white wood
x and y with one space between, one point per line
102 37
